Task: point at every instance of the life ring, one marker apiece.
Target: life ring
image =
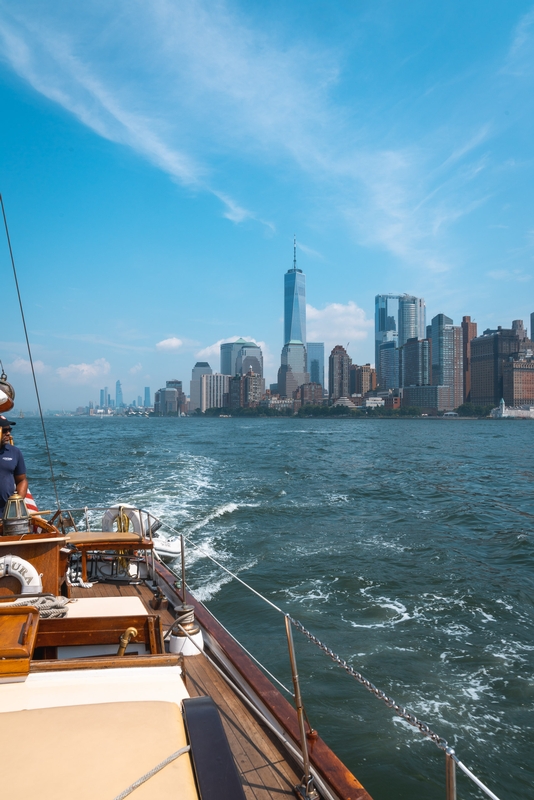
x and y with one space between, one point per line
30 580
130 512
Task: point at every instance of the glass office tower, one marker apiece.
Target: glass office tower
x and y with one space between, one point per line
315 356
295 303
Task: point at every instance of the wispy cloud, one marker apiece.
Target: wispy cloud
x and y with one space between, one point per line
135 369
184 84
515 275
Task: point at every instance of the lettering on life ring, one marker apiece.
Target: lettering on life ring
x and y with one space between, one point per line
30 580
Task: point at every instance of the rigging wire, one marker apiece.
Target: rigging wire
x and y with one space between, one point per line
30 353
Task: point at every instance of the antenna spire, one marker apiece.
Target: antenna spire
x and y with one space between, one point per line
294 252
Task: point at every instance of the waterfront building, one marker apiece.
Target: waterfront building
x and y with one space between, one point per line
387 367
214 391
295 303
415 363
518 379
292 372
245 391
118 395
249 358
362 379
519 412
147 402
428 398
447 357
489 352
310 394
201 368
469 332
180 396
165 402
107 398
315 364
339 365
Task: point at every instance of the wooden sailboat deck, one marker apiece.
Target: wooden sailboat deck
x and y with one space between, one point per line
264 768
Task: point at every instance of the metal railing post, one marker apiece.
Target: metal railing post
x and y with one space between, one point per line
305 789
450 774
182 549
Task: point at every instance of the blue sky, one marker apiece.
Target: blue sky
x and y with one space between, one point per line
156 159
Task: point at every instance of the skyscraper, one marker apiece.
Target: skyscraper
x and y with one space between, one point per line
447 357
532 326
384 323
118 395
295 303
339 365
292 372
147 397
102 398
249 358
415 363
469 332
200 368
412 318
213 389
315 362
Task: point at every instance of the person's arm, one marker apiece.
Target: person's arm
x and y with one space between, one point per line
21 485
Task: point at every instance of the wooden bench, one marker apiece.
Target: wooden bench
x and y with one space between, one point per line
85 541
87 631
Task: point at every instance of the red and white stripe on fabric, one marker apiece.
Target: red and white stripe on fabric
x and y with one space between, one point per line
31 505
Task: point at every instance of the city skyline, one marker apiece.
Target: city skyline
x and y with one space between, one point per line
393 141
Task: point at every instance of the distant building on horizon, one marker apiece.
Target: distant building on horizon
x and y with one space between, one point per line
469 332
489 353
292 372
118 395
415 363
315 362
447 357
339 364
148 404
200 368
295 303
214 391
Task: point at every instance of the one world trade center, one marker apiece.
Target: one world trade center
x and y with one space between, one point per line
295 303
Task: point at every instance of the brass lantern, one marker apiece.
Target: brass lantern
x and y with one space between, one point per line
16 518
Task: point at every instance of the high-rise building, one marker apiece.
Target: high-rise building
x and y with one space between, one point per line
532 327
518 379
214 391
106 403
139 401
249 358
339 364
165 402
384 323
201 368
415 363
489 352
362 379
315 362
118 395
412 318
469 332
295 303
292 372
147 397
387 367
245 391
310 394
102 398
447 357
180 396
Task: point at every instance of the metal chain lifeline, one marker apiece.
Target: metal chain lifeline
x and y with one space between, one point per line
402 712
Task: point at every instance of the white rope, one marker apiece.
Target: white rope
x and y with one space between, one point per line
152 772
48 607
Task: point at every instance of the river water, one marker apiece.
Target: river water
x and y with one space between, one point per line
406 545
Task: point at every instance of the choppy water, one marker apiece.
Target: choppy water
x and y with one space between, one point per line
406 545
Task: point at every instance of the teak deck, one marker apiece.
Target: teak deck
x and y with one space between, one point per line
265 771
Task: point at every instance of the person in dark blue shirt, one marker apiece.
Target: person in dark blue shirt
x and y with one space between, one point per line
12 466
